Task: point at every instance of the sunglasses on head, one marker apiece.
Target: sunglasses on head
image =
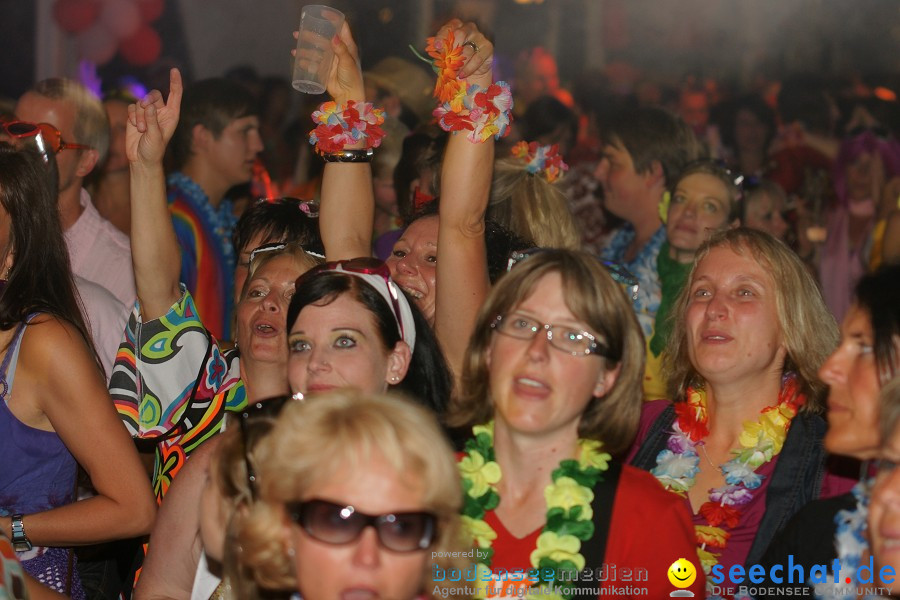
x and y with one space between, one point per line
620 274
251 420
51 135
342 524
276 247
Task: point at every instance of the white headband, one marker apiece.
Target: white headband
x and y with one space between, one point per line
396 301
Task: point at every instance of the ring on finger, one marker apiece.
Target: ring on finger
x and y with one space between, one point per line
471 44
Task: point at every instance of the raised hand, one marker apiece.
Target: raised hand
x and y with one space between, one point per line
345 81
152 122
478 51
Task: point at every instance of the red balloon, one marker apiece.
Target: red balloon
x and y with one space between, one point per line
142 48
151 10
75 16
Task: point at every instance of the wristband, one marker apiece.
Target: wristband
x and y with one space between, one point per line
349 156
20 541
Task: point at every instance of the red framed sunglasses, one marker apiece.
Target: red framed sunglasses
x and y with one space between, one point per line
52 136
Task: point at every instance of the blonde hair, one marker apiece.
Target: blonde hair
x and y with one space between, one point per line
809 330
303 259
347 428
91 125
531 207
593 297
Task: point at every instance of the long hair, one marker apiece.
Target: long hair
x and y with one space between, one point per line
428 378
40 280
593 297
808 328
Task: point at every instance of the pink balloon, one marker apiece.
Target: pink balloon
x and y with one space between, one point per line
122 17
151 10
74 16
97 44
142 48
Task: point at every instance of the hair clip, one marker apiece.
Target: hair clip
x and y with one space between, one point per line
544 160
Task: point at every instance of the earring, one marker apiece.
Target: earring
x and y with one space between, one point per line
394 379
298 397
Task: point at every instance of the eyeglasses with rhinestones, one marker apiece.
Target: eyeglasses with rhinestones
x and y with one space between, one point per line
566 338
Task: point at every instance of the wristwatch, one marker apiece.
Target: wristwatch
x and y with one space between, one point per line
20 541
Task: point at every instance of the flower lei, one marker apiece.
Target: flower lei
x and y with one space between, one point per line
850 543
569 513
677 466
541 159
339 125
483 112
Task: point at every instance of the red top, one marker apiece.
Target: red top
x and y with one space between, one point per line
650 530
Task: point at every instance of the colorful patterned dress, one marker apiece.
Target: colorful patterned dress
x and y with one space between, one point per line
172 386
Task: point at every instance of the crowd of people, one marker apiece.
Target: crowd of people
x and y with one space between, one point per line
576 352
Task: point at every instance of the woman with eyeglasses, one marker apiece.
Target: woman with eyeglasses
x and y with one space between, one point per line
741 443
551 389
359 497
55 412
866 360
703 199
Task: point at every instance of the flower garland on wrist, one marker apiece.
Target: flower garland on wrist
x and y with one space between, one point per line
483 112
569 519
339 126
541 160
677 466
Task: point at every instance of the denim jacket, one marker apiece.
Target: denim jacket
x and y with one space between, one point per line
796 480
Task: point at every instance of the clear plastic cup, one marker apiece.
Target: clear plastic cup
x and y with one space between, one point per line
312 65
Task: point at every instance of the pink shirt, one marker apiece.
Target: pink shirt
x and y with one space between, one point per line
105 318
101 253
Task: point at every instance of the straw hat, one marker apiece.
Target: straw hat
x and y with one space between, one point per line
412 84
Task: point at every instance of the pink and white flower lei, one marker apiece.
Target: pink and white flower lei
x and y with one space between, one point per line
339 126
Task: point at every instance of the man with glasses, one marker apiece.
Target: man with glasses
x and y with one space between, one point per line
74 124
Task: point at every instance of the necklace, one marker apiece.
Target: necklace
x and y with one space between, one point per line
850 543
569 514
677 466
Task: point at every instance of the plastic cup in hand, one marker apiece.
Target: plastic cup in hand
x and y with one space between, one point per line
312 65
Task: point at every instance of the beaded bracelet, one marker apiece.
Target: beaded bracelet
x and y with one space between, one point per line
339 126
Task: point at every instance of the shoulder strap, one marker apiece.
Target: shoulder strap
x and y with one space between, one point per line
12 355
655 441
594 549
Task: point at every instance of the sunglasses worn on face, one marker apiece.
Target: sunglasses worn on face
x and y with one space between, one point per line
51 135
341 524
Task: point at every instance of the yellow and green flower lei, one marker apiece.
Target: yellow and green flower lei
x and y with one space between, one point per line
569 519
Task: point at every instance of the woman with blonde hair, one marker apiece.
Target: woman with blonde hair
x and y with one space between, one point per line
742 441
358 494
551 388
525 200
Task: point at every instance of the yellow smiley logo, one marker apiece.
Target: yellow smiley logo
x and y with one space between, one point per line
682 573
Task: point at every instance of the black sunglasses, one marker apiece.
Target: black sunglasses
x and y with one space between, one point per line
341 524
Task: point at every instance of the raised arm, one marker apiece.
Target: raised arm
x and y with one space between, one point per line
347 209
154 248
462 275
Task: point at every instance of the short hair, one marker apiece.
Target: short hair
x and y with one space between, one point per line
594 298
544 116
212 103
91 123
757 106
298 253
428 379
757 187
531 207
878 294
808 327
283 219
313 440
720 172
653 134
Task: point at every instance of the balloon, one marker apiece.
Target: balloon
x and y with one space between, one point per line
151 10
122 17
97 44
142 48
74 16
